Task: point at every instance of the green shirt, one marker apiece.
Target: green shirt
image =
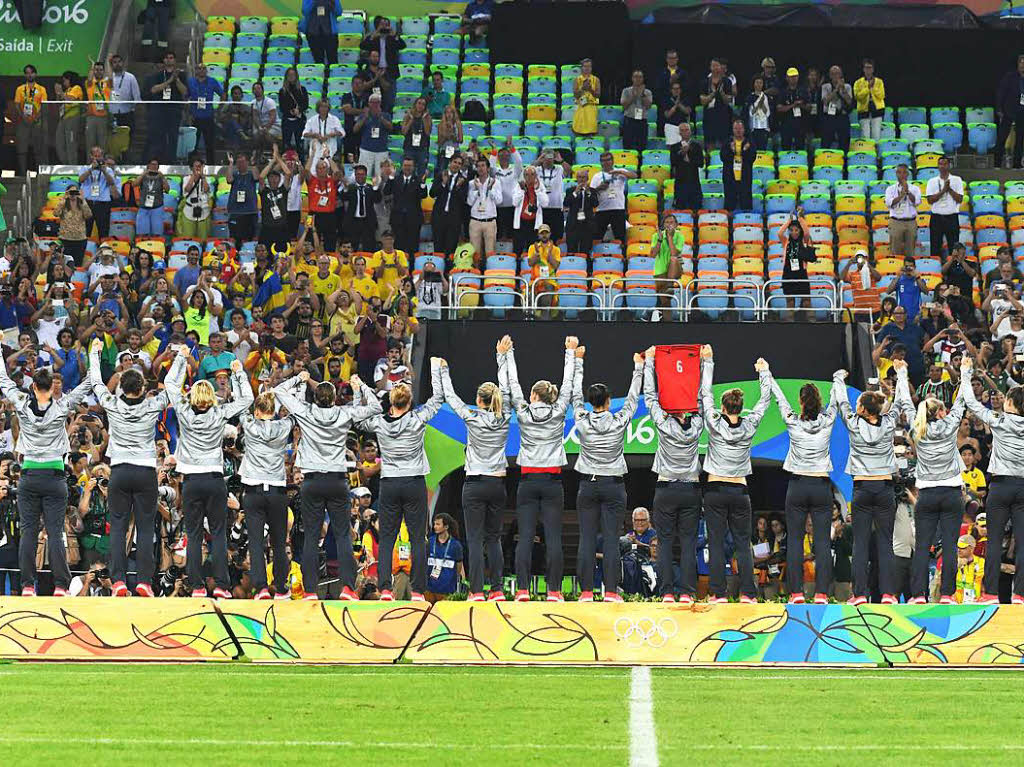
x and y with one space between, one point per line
436 101
661 257
213 362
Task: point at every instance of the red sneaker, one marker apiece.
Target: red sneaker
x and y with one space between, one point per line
586 596
555 596
120 589
282 596
28 591
918 601
220 593
889 599
685 599
856 601
717 600
745 600
476 596
496 596
348 595
387 596
668 598
796 599
987 599
947 600
199 593
310 596
417 597
1017 599
610 596
264 593
144 590
522 595
60 591
821 599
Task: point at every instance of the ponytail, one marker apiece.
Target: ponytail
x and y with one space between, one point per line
490 397
810 402
926 412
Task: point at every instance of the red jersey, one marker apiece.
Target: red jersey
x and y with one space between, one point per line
323 194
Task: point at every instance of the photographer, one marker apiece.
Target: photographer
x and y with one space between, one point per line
10 530
72 212
152 186
102 186
431 289
95 583
93 508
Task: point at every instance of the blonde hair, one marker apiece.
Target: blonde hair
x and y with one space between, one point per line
926 413
202 396
266 403
545 391
490 395
400 396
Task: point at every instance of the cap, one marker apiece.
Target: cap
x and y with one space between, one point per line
965 541
792 72
981 519
291 154
159 265
544 228
177 318
861 253
359 492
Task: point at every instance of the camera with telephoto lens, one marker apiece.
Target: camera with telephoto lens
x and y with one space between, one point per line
902 483
167 580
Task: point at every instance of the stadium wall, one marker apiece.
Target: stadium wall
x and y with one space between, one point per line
192 630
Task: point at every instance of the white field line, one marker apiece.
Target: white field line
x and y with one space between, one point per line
643 740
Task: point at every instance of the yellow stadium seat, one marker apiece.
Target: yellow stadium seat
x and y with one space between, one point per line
217 56
878 205
640 234
793 173
668 188
221 24
742 250
713 233
782 186
1014 205
987 252
544 112
832 158
542 70
849 203
932 280
659 173
818 219
349 40
639 248
642 203
476 70
643 218
284 25
888 265
748 266
862 145
989 221
822 266
927 160
629 158
513 85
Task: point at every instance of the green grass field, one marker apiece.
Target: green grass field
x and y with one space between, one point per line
232 715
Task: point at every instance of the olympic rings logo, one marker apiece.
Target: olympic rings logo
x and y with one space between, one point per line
645 631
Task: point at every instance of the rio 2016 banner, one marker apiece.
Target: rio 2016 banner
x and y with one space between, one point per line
71 32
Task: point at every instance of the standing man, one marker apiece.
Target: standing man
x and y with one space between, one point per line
29 127
241 199
406 191
869 91
319 23
124 93
483 198
550 171
610 185
836 102
726 499
507 175
945 192
322 131
669 75
353 104
163 118
201 92
97 110
385 40
43 490
636 99
902 199
373 127
687 160
360 223
960 272
792 108
1010 113
738 156
580 216
100 186
447 217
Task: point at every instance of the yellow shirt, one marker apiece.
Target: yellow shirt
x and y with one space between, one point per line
389 264
294 579
311 267
74 93
974 480
324 286
737 159
344 321
365 286
29 99
347 364
884 363
549 257
99 96
968 580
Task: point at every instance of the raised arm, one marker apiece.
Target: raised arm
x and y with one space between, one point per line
780 398
988 417
106 399
512 376
241 391
568 372
10 389
453 399
578 406
286 392
840 397
429 409
503 385
658 415
707 375
766 380
903 402
174 380
74 398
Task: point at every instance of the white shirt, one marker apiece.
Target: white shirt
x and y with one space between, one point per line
97 269
1000 307
317 125
261 111
123 88
508 178
241 349
760 112
483 198
906 208
945 205
552 181
614 197
295 193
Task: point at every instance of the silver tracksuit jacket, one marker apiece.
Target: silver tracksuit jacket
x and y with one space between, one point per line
486 433
938 457
871 448
42 437
542 426
602 435
728 444
677 457
809 441
265 443
1007 459
132 425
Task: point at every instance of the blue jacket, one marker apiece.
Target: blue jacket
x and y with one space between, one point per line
206 90
307 11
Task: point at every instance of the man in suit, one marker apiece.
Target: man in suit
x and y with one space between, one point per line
738 155
579 235
407 189
360 222
449 193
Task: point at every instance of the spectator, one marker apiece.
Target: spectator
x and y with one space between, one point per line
322 131
772 82
945 192
483 198
543 258
668 246
669 98
69 126
152 186
194 217
550 169
1006 271
266 127
202 91
156 28
635 100
373 125
791 108
353 105
406 191
936 387
97 114
958 270
124 92
580 209
717 98
29 121
476 20
758 113
319 23
274 183
166 84
905 330
674 113
95 583
836 101
235 120
360 222
687 160
812 116
639 550
293 99
1010 113
586 89
970 571
72 212
378 81
869 91
102 186
389 266
529 198
798 252
241 198
449 137
738 160
385 42
416 126
860 268
93 509
902 199
610 187
436 96
431 288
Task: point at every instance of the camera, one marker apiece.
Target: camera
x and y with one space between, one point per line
103 482
902 482
102 573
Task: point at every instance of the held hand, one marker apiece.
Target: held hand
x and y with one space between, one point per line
236 366
967 364
355 381
96 346
571 342
761 366
580 352
706 352
649 353
442 362
638 359
304 376
504 345
840 375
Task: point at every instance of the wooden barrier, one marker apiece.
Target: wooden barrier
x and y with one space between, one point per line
532 633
